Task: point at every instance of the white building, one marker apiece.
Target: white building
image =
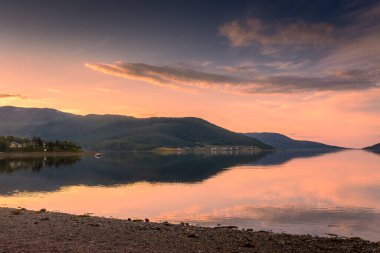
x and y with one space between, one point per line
15 145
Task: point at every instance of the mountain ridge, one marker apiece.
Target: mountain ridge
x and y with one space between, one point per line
374 148
284 142
118 132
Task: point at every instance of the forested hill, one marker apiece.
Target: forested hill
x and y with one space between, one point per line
281 141
115 132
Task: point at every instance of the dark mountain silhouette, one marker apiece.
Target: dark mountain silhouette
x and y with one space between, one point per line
280 141
375 148
115 132
14 119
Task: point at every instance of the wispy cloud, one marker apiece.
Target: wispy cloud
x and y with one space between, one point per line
54 90
258 32
178 78
263 67
104 90
351 43
2 96
294 55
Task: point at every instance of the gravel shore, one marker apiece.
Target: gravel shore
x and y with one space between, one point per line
31 231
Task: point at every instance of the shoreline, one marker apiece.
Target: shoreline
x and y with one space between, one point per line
42 231
43 154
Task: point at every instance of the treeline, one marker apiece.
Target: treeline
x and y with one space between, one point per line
36 144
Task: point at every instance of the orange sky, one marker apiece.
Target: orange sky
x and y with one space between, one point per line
313 84
67 85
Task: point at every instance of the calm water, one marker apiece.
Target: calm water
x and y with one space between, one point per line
306 192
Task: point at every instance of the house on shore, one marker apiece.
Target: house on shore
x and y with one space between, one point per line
15 145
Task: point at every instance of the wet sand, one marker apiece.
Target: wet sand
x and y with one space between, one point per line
31 231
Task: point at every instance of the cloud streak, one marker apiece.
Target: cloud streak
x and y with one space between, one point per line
3 96
348 44
177 78
184 78
257 32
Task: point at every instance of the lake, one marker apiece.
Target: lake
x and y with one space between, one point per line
308 192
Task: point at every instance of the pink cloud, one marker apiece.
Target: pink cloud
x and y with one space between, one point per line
11 96
255 31
185 78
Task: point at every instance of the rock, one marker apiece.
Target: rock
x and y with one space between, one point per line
192 236
228 227
16 212
167 223
248 245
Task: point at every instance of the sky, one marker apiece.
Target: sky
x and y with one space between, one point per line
307 68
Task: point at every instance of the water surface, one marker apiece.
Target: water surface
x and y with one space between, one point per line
298 192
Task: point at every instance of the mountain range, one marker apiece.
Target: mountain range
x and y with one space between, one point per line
115 132
283 142
375 148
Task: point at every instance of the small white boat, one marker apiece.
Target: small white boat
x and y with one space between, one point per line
98 155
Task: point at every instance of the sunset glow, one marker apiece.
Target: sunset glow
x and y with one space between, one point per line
314 76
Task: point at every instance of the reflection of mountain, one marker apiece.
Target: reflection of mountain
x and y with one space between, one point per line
280 157
49 174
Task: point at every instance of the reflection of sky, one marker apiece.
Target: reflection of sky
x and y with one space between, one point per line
336 193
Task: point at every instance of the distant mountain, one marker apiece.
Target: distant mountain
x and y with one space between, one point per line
13 119
115 132
280 141
375 148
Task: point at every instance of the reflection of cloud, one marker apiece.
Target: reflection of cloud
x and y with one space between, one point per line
11 96
183 78
294 214
297 219
370 190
